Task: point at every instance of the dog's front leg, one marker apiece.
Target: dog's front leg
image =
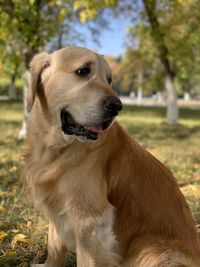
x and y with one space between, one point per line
95 241
56 250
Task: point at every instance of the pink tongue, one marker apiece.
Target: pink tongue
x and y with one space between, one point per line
95 128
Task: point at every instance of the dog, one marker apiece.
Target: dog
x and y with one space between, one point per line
106 197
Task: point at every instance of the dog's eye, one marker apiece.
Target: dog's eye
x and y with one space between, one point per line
109 80
83 71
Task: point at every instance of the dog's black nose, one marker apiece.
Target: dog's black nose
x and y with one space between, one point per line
113 104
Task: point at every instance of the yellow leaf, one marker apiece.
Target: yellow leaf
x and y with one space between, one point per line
2 235
31 2
83 17
63 12
20 238
78 4
13 169
14 231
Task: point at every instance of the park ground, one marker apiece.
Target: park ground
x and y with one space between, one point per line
23 231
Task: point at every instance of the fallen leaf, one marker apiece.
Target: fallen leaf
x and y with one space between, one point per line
14 231
3 235
13 169
20 238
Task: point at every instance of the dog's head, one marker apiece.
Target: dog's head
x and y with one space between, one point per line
73 86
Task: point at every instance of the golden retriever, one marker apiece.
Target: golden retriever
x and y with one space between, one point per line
106 197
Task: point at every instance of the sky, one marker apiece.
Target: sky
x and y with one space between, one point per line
112 41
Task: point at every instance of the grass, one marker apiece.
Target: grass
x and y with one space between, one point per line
23 230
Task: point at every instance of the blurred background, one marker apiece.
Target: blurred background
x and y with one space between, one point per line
153 48
149 43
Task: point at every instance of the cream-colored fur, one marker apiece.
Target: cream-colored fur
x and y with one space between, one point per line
109 200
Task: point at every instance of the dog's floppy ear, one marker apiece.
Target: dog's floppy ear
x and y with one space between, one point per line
37 66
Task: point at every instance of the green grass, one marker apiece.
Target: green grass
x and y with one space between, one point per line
178 147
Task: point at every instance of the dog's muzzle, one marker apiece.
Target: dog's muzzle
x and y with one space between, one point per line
110 106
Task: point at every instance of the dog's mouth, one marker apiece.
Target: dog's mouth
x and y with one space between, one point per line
71 127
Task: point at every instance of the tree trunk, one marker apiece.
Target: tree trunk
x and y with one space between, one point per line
12 91
169 74
139 89
172 107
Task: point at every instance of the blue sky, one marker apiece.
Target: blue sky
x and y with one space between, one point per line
112 41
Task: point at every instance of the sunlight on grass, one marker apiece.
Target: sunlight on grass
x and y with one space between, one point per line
11 112
177 146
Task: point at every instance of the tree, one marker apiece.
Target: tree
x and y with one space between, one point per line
33 23
182 36
172 33
169 73
25 29
172 27
140 61
122 81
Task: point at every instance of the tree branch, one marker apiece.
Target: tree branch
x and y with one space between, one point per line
150 7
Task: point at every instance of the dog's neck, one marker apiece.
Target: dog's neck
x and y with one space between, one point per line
51 144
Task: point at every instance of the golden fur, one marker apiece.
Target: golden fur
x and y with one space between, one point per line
109 200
